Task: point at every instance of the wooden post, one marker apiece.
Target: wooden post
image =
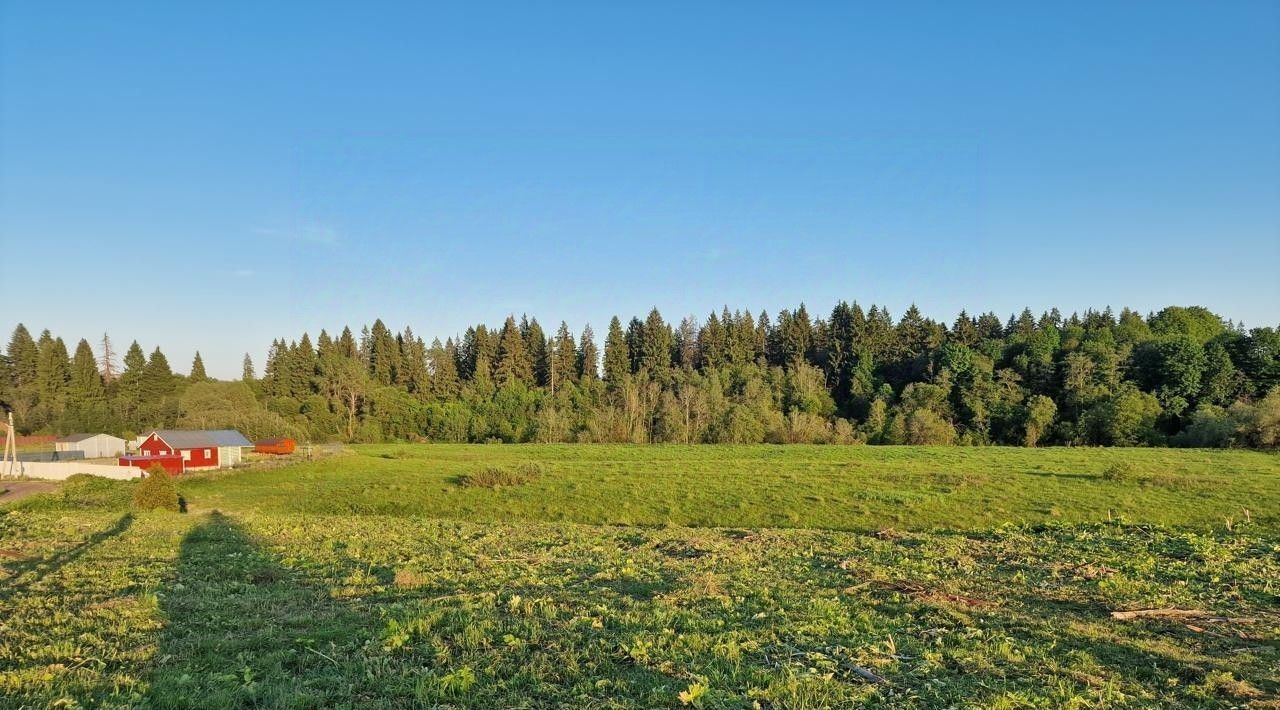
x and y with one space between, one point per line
10 448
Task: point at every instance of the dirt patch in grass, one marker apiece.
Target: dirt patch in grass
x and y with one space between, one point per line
17 490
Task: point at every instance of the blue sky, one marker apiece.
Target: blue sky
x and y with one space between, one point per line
210 176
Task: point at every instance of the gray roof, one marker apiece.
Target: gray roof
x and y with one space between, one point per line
73 438
195 439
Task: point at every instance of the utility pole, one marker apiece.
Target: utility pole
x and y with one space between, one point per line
10 459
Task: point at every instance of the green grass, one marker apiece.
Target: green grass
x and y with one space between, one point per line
829 487
271 594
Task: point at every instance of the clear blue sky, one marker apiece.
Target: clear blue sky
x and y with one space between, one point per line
213 175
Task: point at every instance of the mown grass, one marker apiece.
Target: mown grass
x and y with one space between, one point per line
251 601
839 488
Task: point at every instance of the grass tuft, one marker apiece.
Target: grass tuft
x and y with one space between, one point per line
1121 472
501 477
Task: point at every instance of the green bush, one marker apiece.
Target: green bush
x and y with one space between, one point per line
496 477
1120 472
156 491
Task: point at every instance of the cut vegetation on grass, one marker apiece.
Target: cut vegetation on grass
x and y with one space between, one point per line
255 600
499 477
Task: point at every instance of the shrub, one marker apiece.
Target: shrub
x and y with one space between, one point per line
497 477
1120 472
156 491
1210 427
1259 423
925 427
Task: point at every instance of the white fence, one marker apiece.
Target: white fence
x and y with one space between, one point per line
59 470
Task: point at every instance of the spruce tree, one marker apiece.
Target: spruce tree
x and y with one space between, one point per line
414 372
157 407
384 354
514 364
301 371
842 337
564 358
535 341
275 371
23 358
635 344
686 343
157 377
53 372
656 344
129 394
197 369
442 359
965 330
86 395
246 374
711 344
763 328
617 357
347 346
588 355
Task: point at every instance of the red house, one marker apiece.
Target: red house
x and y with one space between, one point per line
188 450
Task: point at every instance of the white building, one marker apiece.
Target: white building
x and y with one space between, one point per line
94 446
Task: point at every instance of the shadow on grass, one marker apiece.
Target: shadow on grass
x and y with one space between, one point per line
29 572
243 630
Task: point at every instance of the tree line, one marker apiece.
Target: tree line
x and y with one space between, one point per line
1182 376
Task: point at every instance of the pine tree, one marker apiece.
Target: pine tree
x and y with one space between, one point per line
587 356
617 358
197 369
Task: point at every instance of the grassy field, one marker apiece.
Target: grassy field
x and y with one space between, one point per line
830 487
614 576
